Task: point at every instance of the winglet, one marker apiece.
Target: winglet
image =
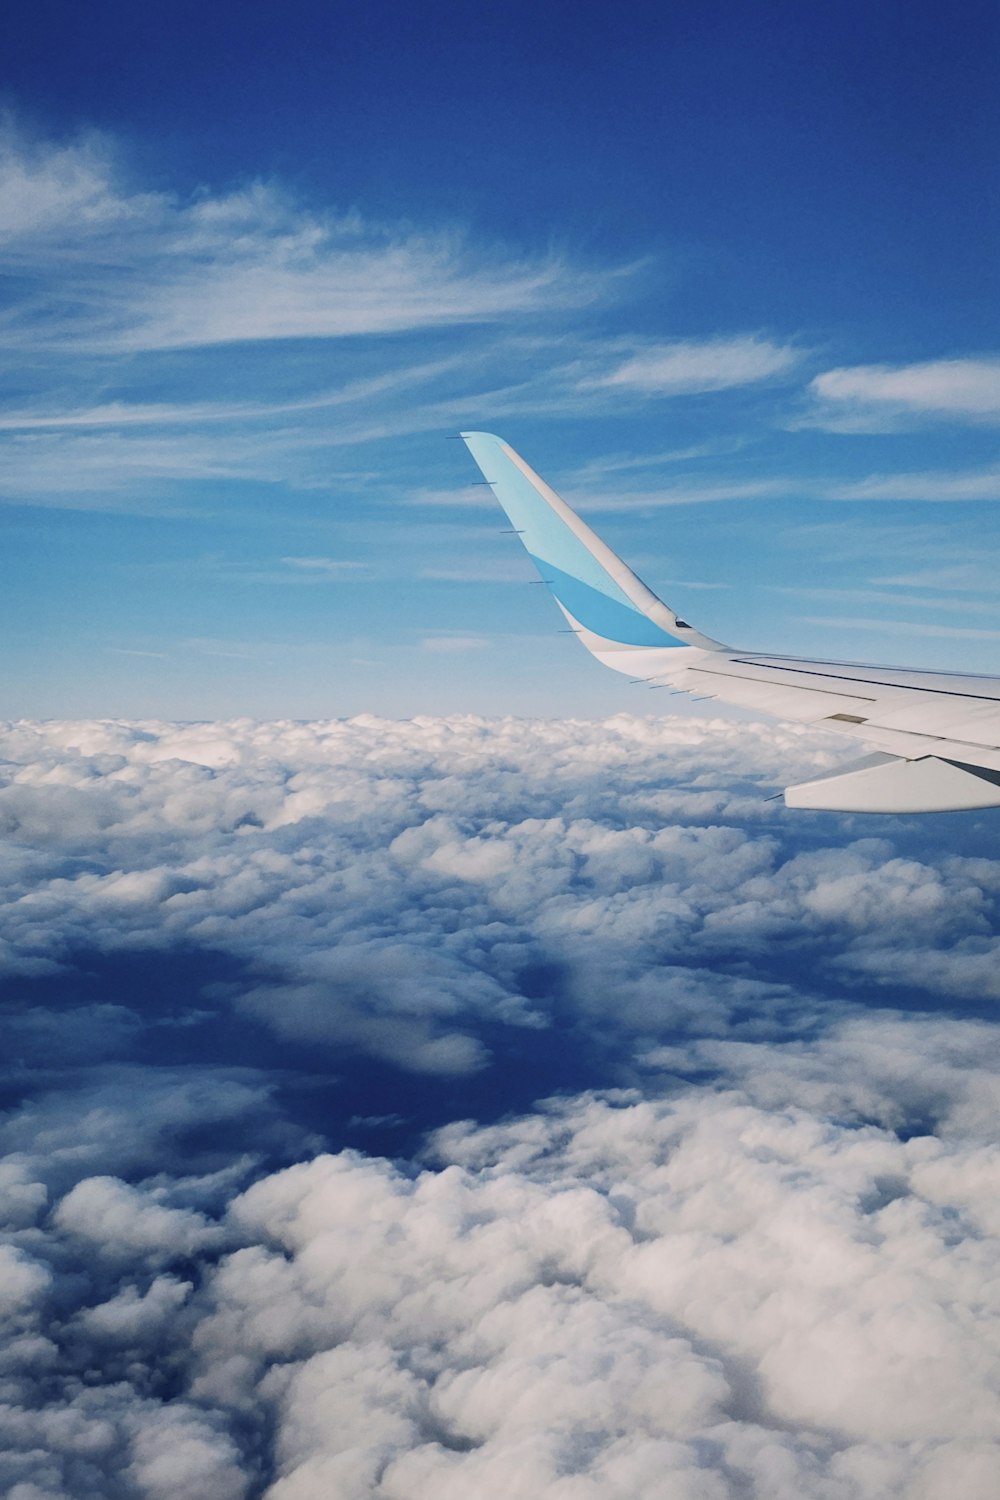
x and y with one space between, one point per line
598 593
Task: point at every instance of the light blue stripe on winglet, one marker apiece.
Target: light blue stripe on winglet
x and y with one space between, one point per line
591 583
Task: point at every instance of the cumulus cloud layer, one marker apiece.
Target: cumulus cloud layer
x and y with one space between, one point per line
747 1250
608 1298
375 865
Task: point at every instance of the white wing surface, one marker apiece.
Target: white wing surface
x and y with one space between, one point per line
936 735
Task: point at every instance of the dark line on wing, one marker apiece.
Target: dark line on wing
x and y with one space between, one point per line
829 692
764 666
833 661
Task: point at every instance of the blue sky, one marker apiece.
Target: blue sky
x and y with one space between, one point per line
725 274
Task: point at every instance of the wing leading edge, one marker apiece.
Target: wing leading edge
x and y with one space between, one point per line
936 735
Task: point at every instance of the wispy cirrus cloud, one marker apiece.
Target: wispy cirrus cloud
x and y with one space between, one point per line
899 600
689 367
589 498
929 628
865 397
109 276
695 493
516 569
324 566
113 415
976 577
106 268
49 188
928 484
586 488
112 470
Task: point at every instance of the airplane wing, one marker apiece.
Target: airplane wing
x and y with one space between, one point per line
936 735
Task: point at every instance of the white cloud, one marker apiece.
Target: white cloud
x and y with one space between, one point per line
687 367
121 1121
978 576
764 1270
22 1281
570 837
333 566
976 484
105 272
131 1317
235 267
692 493
960 389
614 1296
933 629
517 569
21 1199
125 1224
44 189
184 1452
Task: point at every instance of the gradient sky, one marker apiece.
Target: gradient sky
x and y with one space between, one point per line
726 274
463 1087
